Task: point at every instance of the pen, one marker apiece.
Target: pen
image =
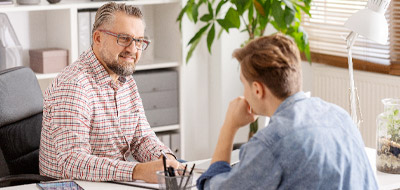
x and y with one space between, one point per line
163 153
183 177
165 171
190 175
173 182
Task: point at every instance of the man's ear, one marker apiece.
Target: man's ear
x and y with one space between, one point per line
96 37
258 89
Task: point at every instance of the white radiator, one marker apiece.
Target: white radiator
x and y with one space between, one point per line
332 84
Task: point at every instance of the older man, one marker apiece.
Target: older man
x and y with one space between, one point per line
94 126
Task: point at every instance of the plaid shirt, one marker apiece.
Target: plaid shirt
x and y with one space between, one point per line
88 121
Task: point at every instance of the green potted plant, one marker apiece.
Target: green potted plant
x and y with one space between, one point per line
250 16
388 137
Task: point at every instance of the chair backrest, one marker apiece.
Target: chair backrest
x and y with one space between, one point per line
21 107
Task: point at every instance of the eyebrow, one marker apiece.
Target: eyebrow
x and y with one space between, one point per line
140 37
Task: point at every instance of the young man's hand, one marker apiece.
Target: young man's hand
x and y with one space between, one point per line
147 171
239 113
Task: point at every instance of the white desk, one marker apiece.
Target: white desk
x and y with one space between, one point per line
385 181
87 185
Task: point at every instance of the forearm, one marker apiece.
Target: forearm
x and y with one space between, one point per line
225 143
147 145
80 165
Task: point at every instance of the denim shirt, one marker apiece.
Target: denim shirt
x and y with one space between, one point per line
308 144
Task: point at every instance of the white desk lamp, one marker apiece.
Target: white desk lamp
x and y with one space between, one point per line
370 23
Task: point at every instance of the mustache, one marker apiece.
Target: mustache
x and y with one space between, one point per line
127 54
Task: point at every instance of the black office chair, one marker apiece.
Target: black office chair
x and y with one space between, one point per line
21 107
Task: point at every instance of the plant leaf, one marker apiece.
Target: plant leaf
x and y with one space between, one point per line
222 2
223 24
250 13
306 9
289 16
189 7
278 14
210 38
241 5
192 47
192 12
198 34
289 4
206 17
179 18
259 8
232 18
210 10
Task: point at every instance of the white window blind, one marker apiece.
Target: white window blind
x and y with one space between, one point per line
394 29
327 32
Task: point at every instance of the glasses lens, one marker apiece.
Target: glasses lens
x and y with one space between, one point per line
144 45
141 44
124 40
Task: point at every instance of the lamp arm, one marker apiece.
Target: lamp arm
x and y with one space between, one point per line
351 38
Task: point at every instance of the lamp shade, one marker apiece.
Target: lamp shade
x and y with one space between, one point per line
371 22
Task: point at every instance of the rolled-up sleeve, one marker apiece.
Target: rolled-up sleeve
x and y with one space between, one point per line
215 169
256 162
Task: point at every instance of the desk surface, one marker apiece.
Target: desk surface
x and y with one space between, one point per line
385 181
87 185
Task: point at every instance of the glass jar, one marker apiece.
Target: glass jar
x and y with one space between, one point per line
388 137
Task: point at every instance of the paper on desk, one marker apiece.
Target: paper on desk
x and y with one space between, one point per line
202 165
139 183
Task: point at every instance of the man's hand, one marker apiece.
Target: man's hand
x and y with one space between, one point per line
239 113
147 171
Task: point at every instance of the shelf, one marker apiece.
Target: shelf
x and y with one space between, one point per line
157 65
165 128
83 4
41 76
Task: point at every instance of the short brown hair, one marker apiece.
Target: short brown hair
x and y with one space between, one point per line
105 14
274 61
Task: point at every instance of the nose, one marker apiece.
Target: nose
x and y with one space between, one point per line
132 48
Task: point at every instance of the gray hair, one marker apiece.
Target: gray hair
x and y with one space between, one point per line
105 14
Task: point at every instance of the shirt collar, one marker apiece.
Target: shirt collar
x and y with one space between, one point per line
100 73
291 100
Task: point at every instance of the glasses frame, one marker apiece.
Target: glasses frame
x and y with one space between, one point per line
147 42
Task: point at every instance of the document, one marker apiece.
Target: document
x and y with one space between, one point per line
203 165
139 183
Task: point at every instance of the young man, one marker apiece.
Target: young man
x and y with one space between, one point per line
308 143
94 126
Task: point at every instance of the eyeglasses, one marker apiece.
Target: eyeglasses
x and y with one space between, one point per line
126 40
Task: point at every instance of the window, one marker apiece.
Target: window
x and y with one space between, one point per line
327 37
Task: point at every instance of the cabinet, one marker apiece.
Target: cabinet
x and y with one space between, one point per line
56 25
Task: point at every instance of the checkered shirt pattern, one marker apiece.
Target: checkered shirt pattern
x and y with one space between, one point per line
86 119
